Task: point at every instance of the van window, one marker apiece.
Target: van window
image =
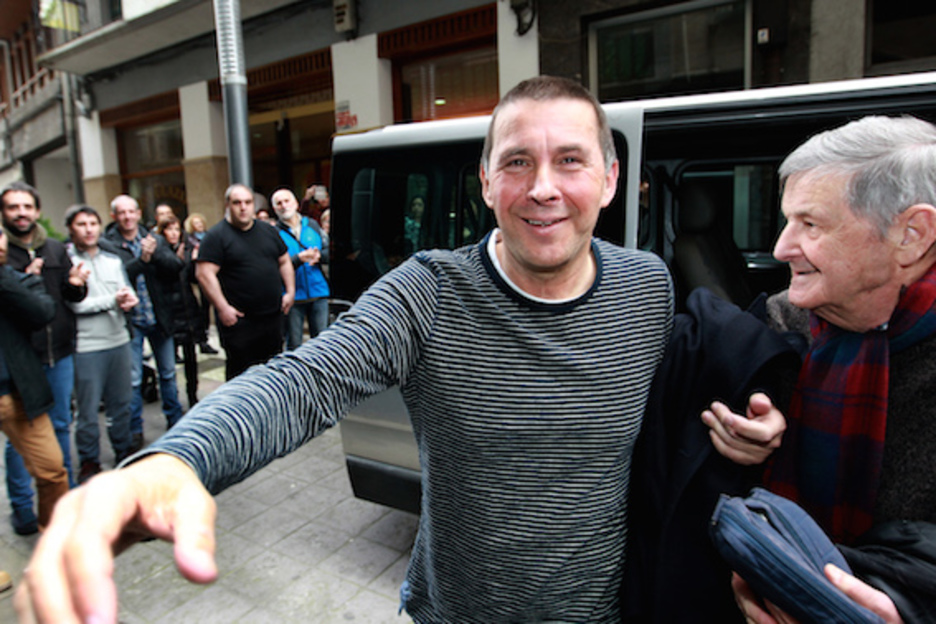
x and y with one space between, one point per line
728 214
433 214
749 208
391 204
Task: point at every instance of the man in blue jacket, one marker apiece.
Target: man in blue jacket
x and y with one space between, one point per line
303 238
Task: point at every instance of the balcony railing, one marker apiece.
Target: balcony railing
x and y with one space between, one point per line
31 88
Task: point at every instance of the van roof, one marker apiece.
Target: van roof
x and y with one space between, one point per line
728 105
814 91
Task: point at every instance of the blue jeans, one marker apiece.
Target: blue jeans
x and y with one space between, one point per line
164 352
316 310
103 374
61 376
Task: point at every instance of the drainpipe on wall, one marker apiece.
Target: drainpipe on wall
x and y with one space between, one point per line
7 71
233 89
6 144
71 136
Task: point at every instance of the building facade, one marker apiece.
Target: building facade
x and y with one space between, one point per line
110 96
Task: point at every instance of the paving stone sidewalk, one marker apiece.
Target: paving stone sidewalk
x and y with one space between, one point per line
294 545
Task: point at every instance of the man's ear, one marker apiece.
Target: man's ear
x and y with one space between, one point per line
917 233
611 180
485 186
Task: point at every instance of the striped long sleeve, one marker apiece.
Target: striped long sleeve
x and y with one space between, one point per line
525 414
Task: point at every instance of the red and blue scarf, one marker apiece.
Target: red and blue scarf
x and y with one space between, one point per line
832 453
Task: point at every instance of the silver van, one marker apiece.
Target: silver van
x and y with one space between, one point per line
698 186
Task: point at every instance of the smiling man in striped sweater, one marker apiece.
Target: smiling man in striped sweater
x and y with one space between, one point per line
525 431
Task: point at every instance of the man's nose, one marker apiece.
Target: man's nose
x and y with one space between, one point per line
785 247
544 188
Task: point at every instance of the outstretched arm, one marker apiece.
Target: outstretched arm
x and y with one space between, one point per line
71 575
264 414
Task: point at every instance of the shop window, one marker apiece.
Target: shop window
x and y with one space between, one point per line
161 188
901 36
686 48
152 166
292 151
454 85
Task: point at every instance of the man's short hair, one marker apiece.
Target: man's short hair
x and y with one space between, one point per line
888 164
77 209
22 187
545 88
230 189
282 188
113 204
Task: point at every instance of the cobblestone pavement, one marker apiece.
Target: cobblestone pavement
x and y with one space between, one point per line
294 545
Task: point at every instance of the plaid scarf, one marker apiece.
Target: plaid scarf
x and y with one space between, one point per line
831 457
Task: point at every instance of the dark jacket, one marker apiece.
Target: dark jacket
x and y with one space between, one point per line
186 312
163 269
899 558
717 351
24 308
57 339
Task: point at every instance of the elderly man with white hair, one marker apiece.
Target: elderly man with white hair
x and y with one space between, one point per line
860 239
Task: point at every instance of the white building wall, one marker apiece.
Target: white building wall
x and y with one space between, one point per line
52 175
363 86
203 132
98 148
135 8
517 57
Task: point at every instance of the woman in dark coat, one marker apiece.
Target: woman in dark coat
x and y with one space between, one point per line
187 325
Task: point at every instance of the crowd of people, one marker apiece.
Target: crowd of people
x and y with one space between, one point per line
527 432
109 289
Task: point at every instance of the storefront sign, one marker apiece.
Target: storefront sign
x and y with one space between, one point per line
344 120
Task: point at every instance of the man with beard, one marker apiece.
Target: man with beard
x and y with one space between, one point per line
304 239
32 251
25 396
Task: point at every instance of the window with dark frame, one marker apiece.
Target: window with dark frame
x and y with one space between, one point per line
687 48
900 36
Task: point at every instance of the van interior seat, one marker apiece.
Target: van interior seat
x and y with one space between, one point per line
704 251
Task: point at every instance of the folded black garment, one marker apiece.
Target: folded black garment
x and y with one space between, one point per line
780 551
899 558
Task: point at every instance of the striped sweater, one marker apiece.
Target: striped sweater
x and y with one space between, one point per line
525 414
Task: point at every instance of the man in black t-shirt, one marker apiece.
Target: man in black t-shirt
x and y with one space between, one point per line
246 273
